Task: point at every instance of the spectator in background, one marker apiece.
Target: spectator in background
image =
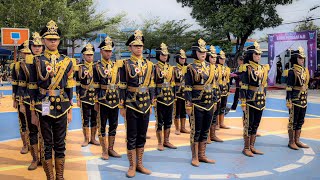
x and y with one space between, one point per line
279 70
236 75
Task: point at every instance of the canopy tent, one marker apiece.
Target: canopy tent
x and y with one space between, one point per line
5 52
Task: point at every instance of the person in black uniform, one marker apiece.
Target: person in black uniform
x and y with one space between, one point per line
224 89
18 96
36 47
253 96
297 91
136 97
199 103
165 92
237 78
106 78
212 59
279 71
54 77
179 106
85 95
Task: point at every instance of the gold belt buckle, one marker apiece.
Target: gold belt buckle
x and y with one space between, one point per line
112 86
165 84
207 87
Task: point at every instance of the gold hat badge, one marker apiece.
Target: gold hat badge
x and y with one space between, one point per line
213 51
36 38
25 48
257 47
301 52
164 49
89 49
202 45
137 38
183 54
222 54
52 30
108 44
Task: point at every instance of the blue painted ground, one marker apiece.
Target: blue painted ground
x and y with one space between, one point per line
11 130
229 160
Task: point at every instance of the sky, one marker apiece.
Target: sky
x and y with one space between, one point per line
137 10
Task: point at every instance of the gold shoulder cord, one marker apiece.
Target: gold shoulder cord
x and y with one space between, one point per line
25 70
114 73
56 80
211 75
129 71
148 75
38 66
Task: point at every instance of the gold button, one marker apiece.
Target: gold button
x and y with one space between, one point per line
305 101
145 104
165 98
209 101
206 101
141 99
146 98
114 90
52 99
169 98
140 92
165 94
140 105
259 97
114 101
58 107
110 96
169 93
206 97
90 99
114 96
262 102
258 103
51 107
110 102
58 87
58 99
210 96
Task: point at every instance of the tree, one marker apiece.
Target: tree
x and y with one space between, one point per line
308 25
235 19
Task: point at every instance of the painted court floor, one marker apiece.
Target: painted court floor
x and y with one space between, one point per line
279 162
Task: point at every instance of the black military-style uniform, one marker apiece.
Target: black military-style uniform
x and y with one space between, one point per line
136 95
54 77
17 95
165 93
199 98
297 92
253 97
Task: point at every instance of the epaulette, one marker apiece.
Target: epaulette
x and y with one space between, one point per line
266 66
12 65
29 59
119 63
243 68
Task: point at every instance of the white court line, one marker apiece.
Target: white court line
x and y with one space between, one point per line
93 170
117 167
287 167
165 175
305 159
253 174
217 176
308 151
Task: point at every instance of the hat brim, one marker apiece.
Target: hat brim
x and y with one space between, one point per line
88 53
107 48
51 37
25 51
136 43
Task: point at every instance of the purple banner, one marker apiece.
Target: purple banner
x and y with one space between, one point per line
309 36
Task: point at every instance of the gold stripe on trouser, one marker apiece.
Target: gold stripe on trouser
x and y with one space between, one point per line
155 115
246 122
291 118
41 141
27 127
193 125
82 120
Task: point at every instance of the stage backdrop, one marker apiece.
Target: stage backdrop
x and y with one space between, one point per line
280 42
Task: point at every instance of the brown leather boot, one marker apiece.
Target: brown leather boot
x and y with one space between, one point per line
24 138
59 166
140 166
35 159
208 139
297 140
48 169
85 131
176 124
166 142
159 137
292 143
246 150
218 123
202 153
111 151
93 136
132 161
183 126
104 146
195 153
252 148
213 136
222 125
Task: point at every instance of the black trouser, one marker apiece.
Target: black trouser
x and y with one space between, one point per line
163 116
296 118
215 114
223 105
278 78
106 114
235 99
200 124
53 131
137 127
88 115
180 109
22 120
251 120
33 129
